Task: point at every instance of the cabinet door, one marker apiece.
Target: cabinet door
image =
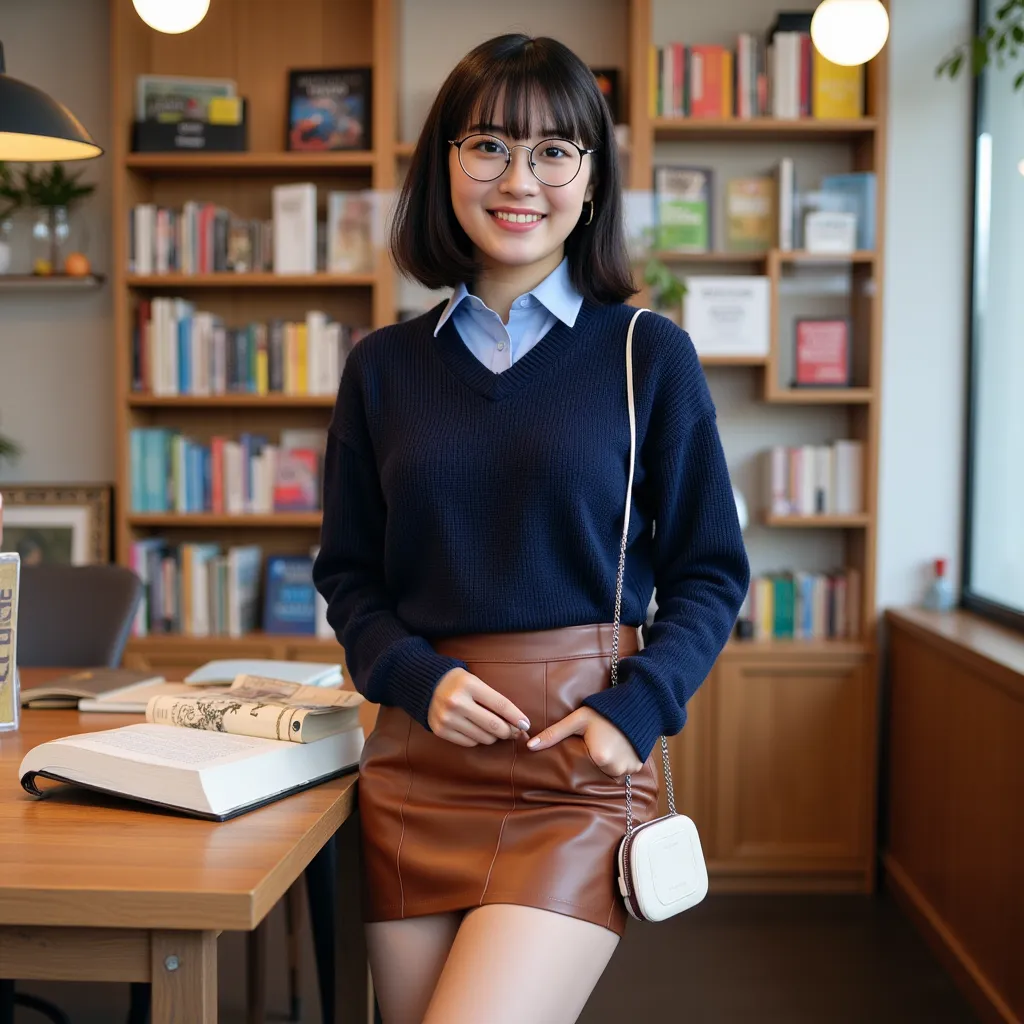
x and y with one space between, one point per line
793 763
690 751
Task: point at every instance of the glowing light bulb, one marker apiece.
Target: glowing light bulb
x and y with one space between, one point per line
172 16
849 32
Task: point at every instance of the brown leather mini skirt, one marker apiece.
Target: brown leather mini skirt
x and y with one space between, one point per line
450 828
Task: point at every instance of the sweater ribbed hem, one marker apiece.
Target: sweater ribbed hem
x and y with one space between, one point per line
413 676
633 708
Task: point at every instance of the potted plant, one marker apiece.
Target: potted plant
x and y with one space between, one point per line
667 290
53 192
997 40
11 199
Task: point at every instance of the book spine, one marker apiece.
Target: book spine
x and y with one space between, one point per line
10 699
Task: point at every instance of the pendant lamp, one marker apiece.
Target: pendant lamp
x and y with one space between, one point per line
849 32
35 127
172 16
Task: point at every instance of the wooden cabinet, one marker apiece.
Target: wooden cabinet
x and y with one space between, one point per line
776 766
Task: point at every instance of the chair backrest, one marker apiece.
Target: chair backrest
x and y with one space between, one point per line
75 616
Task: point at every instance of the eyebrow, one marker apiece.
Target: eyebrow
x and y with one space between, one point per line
500 129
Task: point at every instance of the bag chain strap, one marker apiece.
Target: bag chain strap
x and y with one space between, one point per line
666 765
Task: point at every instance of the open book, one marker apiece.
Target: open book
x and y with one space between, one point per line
202 768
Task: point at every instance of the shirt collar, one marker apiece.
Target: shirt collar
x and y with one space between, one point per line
555 293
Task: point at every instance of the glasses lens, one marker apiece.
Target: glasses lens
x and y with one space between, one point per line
556 161
483 157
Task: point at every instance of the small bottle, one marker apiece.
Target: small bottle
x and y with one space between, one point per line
939 597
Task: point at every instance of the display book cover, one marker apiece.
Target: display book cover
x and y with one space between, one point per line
329 109
28 783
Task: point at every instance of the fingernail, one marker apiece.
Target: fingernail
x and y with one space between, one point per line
533 742
524 724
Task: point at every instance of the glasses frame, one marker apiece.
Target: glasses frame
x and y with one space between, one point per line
457 143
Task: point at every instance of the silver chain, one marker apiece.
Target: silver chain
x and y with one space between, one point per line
666 764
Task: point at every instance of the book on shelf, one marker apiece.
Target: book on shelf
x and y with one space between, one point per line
812 480
329 109
780 76
173 473
289 603
198 238
350 232
10 589
180 350
683 203
224 671
190 757
750 222
295 228
196 589
858 190
804 605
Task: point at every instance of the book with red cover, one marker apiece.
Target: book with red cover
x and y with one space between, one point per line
822 353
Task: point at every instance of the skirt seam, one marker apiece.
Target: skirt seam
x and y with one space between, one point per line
401 812
497 845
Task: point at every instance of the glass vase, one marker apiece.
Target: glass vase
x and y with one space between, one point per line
49 240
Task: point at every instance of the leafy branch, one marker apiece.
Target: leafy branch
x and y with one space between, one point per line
54 187
997 40
12 197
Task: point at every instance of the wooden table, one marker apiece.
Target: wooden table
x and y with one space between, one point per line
98 889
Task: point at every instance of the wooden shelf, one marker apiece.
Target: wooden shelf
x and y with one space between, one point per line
244 520
404 150
802 256
709 360
50 282
760 256
821 396
275 401
856 521
249 163
791 648
251 280
705 129
247 639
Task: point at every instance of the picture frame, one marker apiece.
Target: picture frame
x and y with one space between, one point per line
822 352
329 109
68 524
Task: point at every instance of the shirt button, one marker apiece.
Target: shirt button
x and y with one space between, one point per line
501 346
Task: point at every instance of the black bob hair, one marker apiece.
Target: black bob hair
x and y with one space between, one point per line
427 242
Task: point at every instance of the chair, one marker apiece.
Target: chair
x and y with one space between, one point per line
72 616
75 616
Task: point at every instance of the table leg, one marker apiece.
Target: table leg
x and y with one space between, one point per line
322 893
351 970
256 969
184 972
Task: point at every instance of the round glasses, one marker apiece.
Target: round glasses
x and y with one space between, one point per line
554 162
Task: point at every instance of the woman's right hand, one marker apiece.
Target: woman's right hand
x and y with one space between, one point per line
466 711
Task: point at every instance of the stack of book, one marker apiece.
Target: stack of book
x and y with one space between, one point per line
812 480
171 472
782 76
804 606
179 350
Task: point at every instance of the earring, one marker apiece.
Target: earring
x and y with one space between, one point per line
590 216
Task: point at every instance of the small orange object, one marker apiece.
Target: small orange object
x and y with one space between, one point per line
76 264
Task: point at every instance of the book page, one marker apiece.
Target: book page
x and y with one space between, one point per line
166 745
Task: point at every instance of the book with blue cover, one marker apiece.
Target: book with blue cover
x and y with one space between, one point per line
289 605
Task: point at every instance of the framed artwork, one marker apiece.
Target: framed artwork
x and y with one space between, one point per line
66 524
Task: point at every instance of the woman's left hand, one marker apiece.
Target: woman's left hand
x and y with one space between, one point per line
607 744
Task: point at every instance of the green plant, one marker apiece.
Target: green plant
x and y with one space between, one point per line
8 449
668 289
53 187
12 197
996 40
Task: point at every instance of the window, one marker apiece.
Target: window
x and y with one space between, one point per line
994 520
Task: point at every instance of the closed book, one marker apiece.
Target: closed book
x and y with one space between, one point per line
10 582
226 670
67 690
838 90
209 775
294 229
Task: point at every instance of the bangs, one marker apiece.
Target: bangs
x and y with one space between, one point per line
526 94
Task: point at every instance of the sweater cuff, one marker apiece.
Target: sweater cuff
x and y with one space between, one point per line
633 708
414 676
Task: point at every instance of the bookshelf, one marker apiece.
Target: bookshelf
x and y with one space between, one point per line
777 715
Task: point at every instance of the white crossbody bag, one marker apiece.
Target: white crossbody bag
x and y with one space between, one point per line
660 863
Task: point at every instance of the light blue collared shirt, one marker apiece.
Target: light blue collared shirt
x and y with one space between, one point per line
532 315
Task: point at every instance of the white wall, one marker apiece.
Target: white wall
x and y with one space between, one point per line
56 348
928 204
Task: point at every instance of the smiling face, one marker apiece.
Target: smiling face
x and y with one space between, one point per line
516 220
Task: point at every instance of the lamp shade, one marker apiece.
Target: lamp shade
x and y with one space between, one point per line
172 16
849 32
34 126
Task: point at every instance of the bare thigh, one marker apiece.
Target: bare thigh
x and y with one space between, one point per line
406 958
511 964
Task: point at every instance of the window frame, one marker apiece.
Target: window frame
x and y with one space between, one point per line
970 600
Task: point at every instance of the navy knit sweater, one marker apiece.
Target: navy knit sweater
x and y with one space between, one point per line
457 501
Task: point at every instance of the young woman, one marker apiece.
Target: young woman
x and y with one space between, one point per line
475 481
